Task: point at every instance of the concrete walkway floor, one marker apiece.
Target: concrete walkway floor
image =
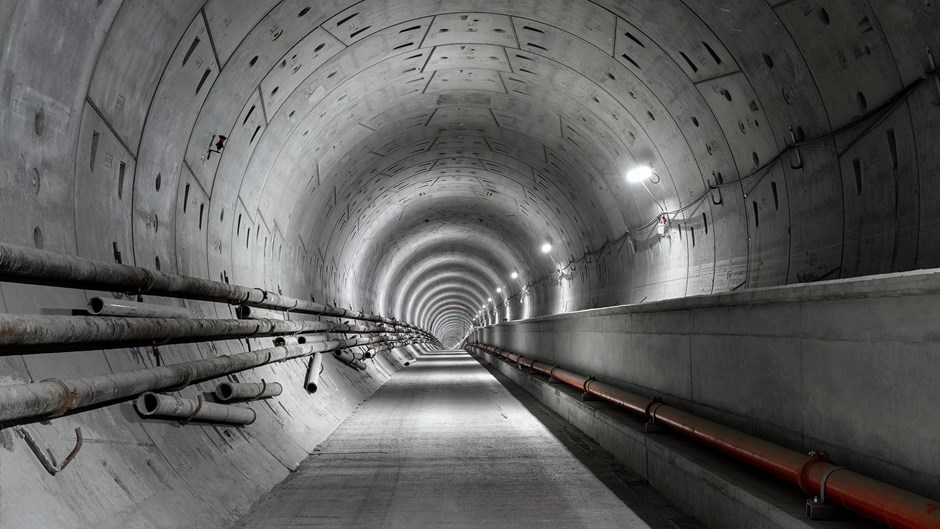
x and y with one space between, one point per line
445 444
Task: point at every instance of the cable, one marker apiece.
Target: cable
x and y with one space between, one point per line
879 114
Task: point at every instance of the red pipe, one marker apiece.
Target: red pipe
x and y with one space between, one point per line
889 505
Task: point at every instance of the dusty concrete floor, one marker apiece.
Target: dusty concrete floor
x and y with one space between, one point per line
446 444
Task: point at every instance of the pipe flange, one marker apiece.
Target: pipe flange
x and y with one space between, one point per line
587 383
69 398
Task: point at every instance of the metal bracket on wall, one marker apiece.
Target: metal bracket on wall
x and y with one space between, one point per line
37 451
796 152
936 77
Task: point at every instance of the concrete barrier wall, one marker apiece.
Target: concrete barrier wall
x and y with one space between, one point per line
849 367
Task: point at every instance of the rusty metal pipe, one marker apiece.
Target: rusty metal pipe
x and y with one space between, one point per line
30 265
244 312
227 391
312 380
154 404
33 330
294 340
54 397
886 504
100 306
348 357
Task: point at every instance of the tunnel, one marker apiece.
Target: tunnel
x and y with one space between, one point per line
466 263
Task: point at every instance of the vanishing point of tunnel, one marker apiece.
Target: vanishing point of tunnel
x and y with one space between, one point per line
645 264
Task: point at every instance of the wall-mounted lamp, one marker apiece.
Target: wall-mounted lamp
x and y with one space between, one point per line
640 174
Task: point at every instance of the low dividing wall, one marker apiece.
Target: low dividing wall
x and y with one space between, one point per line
850 367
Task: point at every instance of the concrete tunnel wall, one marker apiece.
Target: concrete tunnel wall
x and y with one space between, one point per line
846 367
405 157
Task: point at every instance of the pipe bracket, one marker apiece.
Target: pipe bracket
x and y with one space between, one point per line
587 383
822 483
650 410
34 447
196 411
814 457
185 383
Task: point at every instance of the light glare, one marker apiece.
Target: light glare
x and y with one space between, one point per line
514 275
639 174
547 247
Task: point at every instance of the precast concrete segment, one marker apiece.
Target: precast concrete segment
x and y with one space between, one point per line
442 444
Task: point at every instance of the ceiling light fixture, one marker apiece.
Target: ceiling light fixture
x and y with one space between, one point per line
514 275
498 290
547 247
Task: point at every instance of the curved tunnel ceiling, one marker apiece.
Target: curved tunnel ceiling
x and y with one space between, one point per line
406 157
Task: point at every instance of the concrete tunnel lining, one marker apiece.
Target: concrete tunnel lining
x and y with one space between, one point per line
375 161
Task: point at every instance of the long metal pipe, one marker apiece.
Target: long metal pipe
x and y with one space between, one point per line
227 391
348 357
54 397
30 265
38 330
153 404
100 306
312 380
889 505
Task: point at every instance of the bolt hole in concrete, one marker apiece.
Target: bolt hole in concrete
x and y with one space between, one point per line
449 442
39 123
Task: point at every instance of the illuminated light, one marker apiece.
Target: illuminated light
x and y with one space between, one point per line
639 174
498 290
547 247
489 300
514 275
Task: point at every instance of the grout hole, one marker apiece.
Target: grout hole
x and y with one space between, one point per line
768 60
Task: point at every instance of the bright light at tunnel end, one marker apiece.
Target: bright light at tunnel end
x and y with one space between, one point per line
640 173
547 247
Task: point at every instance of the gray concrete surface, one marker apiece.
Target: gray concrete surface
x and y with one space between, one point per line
405 157
717 490
445 444
847 367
